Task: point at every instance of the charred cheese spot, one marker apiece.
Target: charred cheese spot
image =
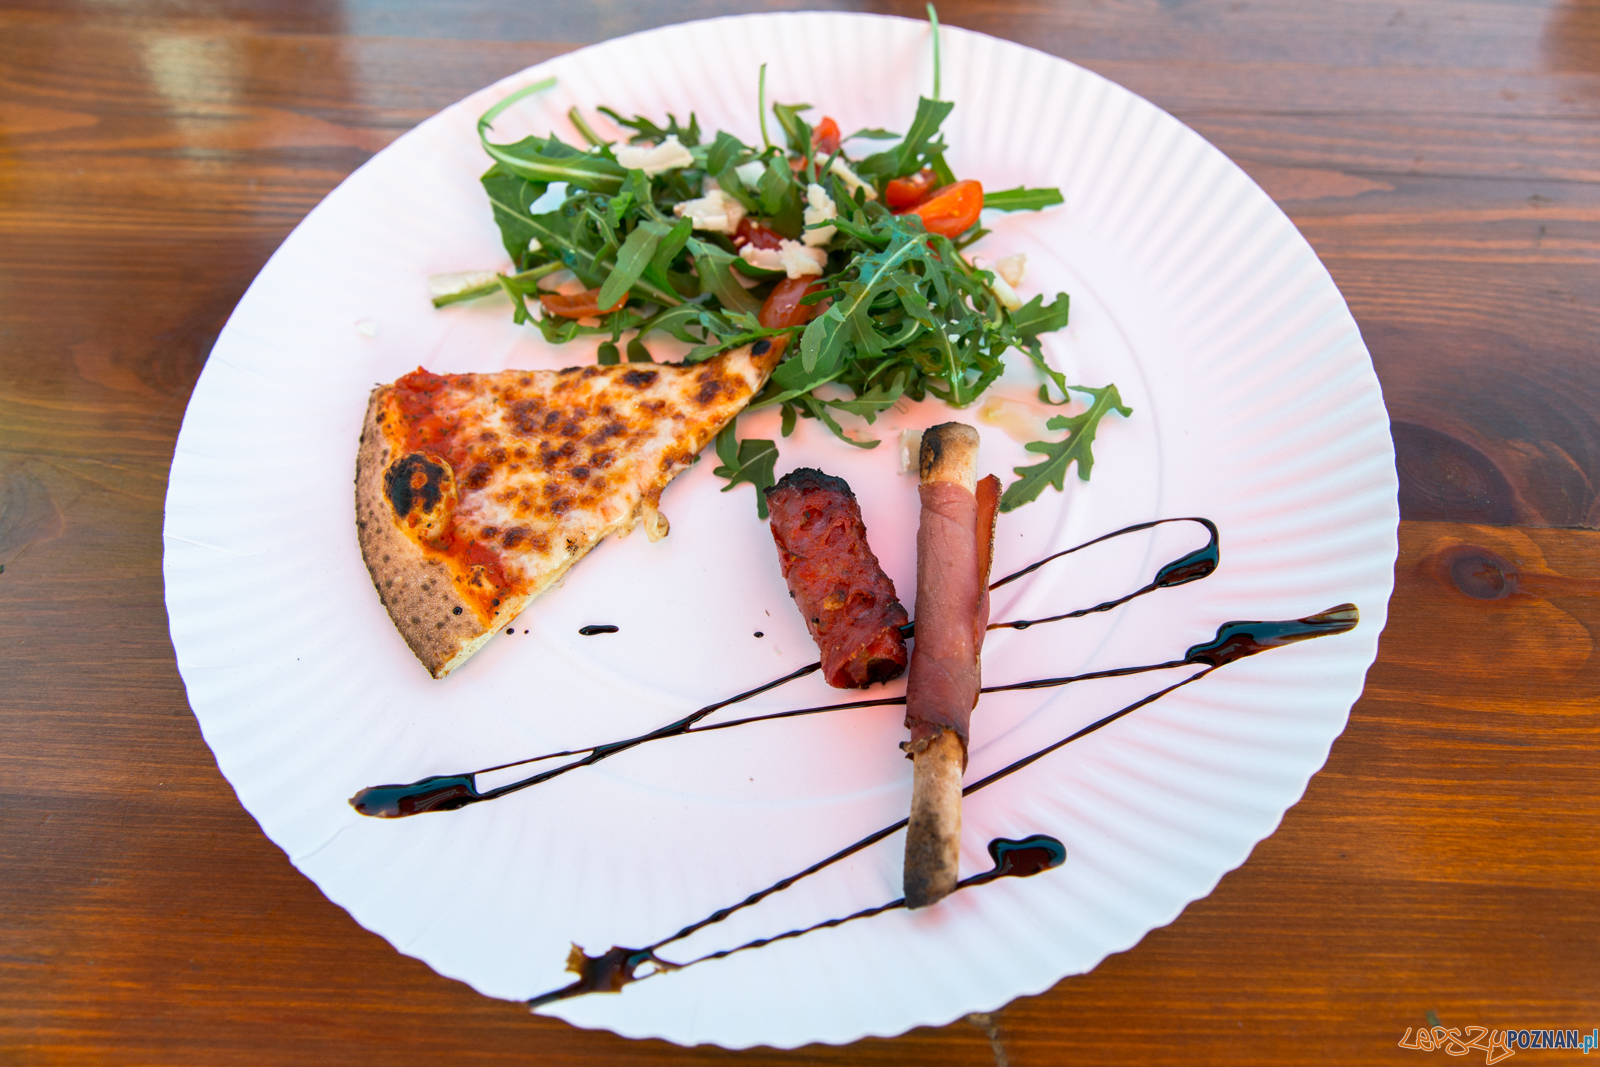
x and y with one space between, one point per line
421 488
640 378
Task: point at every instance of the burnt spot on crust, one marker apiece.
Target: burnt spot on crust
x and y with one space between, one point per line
416 479
640 378
761 347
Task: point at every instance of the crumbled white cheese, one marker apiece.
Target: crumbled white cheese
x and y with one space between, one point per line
750 173
655 159
458 281
793 258
848 176
716 212
1011 267
534 245
910 447
820 208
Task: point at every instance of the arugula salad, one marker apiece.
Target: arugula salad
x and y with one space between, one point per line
856 264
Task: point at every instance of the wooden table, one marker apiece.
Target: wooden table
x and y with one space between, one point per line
1444 160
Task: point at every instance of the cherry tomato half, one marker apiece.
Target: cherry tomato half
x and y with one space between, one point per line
825 138
753 233
952 210
579 305
909 191
783 307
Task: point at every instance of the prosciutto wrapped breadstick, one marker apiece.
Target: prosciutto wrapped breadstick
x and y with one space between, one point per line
848 603
954 545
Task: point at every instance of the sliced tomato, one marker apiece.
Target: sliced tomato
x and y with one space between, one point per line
783 307
579 305
902 193
751 232
952 210
825 137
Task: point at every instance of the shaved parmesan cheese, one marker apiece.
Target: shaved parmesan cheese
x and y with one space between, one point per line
716 212
655 159
750 173
1011 267
793 258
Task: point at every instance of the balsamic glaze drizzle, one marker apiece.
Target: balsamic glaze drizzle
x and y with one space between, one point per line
449 792
600 628
612 970
1234 641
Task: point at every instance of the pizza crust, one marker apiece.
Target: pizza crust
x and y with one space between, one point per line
441 628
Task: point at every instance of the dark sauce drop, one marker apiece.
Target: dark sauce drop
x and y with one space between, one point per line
1236 640
603 628
605 973
445 792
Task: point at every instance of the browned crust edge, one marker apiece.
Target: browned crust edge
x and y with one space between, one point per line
415 587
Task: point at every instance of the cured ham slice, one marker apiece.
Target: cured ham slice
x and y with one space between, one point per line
954 547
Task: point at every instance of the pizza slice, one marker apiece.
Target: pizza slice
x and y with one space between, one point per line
476 492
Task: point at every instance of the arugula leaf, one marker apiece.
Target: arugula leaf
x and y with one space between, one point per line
672 242
1078 447
907 157
632 259
510 197
1035 317
750 461
552 160
712 264
874 135
795 129
1022 199
723 151
645 130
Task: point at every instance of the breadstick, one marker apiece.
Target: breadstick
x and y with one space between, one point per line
954 544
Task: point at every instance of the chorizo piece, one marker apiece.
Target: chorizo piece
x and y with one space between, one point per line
848 603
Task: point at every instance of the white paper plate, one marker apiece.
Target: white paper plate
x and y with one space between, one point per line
1254 404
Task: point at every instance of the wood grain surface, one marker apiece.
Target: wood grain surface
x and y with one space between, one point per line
1443 159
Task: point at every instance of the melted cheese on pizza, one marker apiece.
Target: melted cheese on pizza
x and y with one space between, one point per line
510 477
